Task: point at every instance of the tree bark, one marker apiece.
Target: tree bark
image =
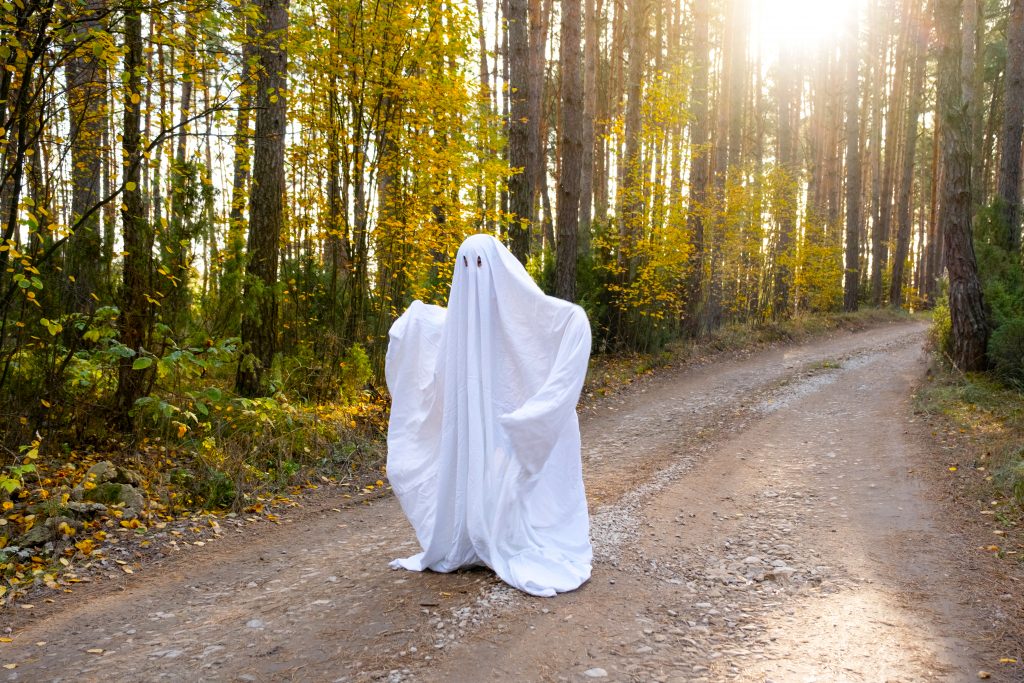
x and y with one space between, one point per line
519 149
136 309
968 59
266 216
572 146
177 249
970 327
1008 188
788 93
88 121
934 254
231 277
629 198
590 59
879 28
851 279
893 118
904 204
699 162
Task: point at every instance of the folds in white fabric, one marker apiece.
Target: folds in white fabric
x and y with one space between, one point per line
483 441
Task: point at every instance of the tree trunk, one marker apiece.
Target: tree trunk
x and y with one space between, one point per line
231 278
539 13
630 196
738 73
851 279
177 250
136 310
572 146
904 209
519 149
878 46
893 118
591 57
970 49
788 93
1008 188
266 215
699 159
966 308
88 121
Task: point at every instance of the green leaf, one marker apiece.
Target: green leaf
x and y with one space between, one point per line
142 363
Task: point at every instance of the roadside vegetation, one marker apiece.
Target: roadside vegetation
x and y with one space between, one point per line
209 455
980 415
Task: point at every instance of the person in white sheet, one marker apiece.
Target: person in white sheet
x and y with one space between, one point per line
483 441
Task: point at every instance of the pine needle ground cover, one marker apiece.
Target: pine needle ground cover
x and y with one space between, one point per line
977 424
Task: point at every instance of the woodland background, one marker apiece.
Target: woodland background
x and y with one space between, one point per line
212 211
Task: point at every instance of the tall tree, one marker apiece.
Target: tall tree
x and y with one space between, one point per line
520 185
851 280
535 104
136 309
630 196
231 276
970 327
906 184
894 119
176 250
788 94
1008 188
881 155
592 44
88 121
571 126
266 215
699 163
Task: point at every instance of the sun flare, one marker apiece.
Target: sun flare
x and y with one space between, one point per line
799 24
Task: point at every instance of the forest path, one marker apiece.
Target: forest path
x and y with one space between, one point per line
754 519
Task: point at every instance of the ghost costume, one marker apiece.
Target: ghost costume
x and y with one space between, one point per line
483 442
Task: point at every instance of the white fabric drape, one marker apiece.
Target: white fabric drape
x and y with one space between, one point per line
483 442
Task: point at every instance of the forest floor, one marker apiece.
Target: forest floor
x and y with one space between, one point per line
781 515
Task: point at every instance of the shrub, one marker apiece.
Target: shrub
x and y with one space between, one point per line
941 333
1006 352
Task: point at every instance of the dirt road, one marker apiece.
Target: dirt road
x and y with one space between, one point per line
757 519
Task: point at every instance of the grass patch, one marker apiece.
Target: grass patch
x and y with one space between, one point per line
987 414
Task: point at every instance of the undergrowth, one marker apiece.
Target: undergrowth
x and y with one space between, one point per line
989 415
199 447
